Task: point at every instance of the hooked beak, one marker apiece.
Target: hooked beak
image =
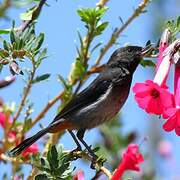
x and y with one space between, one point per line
146 50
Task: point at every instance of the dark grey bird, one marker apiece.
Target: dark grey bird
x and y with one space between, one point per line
98 103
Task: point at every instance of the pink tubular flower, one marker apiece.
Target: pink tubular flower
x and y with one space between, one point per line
33 149
162 46
12 137
153 95
130 160
79 175
11 134
2 119
173 113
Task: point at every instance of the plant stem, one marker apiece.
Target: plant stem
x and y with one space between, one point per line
26 91
117 33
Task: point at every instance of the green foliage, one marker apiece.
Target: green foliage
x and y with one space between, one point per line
22 45
41 56
67 90
41 78
77 71
174 27
146 63
56 165
92 17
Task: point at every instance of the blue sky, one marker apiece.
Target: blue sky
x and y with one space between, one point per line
60 22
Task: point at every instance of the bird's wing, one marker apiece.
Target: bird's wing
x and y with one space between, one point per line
89 95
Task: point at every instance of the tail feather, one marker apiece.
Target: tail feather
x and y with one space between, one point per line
26 143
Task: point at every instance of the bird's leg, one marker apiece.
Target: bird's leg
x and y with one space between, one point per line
76 141
80 135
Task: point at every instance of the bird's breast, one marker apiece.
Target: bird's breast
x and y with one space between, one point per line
103 109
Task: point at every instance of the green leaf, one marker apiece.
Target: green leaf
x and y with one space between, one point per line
52 158
41 177
5 31
77 70
6 45
100 28
12 36
41 78
54 152
42 55
95 47
63 81
91 16
80 39
1 67
178 23
83 13
149 63
27 125
38 42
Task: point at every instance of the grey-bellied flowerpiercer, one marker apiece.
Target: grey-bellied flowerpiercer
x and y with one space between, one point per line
98 103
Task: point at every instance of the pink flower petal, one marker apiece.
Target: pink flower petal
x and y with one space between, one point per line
155 107
143 103
166 98
170 124
140 87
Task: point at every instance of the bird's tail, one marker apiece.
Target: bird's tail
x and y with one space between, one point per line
26 143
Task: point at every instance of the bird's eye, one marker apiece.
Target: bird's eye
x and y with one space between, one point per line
130 50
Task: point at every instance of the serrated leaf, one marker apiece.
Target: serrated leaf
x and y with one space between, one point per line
149 63
41 78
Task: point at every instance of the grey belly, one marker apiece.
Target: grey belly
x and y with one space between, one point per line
104 109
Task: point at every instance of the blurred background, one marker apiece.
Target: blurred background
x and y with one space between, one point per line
60 22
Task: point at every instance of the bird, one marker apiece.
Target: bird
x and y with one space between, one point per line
97 103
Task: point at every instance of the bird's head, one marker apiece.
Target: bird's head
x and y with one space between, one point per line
128 57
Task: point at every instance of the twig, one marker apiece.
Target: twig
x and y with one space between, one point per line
4 6
86 156
5 158
117 33
7 81
96 69
106 172
101 3
46 108
26 92
35 14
